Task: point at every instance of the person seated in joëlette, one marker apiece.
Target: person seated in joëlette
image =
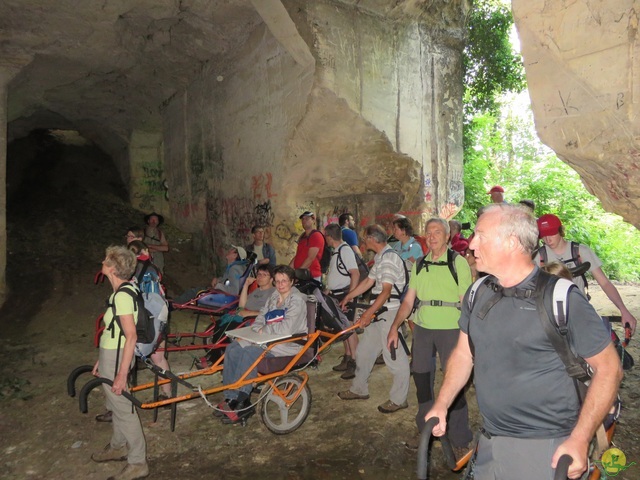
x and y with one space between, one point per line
284 313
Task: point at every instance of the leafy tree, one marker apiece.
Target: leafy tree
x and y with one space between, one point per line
491 65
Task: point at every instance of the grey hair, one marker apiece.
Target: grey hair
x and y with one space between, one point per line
334 231
442 222
376 232
516 220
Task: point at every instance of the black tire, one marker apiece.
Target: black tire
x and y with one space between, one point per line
274 413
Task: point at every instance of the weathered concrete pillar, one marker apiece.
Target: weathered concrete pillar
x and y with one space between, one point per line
147 181
6 74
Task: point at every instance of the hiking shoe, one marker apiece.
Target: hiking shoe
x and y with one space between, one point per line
238 415
221 409
390 407
413 442
380 360
105 417
132 471
350 372
349 395
109 454
343 365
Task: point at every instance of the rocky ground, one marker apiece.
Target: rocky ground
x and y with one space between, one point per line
63 212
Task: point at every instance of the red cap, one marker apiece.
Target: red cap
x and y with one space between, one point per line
495 189
548 224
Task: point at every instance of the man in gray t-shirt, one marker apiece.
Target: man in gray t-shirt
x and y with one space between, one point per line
527 401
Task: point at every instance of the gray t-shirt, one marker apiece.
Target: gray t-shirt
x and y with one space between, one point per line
586 255
522 386
258 298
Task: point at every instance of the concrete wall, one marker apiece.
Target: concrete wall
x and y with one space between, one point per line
147 190
225 139
373 126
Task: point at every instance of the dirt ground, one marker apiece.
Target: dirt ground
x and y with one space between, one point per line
63 211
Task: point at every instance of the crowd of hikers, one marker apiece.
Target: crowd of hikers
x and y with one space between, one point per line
490 304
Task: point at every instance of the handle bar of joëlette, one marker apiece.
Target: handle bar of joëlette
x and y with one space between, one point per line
91 384
423 447
562 468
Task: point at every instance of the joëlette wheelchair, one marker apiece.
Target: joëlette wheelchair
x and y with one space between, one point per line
285 396
213 339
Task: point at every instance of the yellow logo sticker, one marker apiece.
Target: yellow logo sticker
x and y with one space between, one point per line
612 462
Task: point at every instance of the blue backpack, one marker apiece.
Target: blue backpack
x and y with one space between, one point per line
148 279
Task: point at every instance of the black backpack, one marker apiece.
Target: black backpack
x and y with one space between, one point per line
552 303
423 263
325 260
145 329
342 269
451 263
551 294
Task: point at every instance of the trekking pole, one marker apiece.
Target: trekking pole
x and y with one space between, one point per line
423 447
562 468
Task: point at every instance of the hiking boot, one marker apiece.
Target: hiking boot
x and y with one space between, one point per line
132 471
390 407
380 360
105 417
349 395
350 372
343 365
413 442
109 454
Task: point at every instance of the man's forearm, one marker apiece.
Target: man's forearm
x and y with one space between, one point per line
600 397
361 288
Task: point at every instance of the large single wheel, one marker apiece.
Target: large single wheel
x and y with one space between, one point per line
274 412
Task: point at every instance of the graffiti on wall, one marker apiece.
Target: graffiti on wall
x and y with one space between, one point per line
262 186
428 187
152 188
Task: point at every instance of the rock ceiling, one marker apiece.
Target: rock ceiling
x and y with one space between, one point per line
111 64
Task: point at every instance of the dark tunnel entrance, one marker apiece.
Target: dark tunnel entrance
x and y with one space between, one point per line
65 202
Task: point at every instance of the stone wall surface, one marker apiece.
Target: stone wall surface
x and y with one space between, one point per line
581 68
376 131
225 113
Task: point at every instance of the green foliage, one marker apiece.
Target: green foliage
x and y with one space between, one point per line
490 63
502 148
508 153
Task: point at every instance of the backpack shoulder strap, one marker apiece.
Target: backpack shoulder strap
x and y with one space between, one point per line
116 318
420 264
575 253
451 262
480 285
552 299
342 268
404 265
145 266
542 251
